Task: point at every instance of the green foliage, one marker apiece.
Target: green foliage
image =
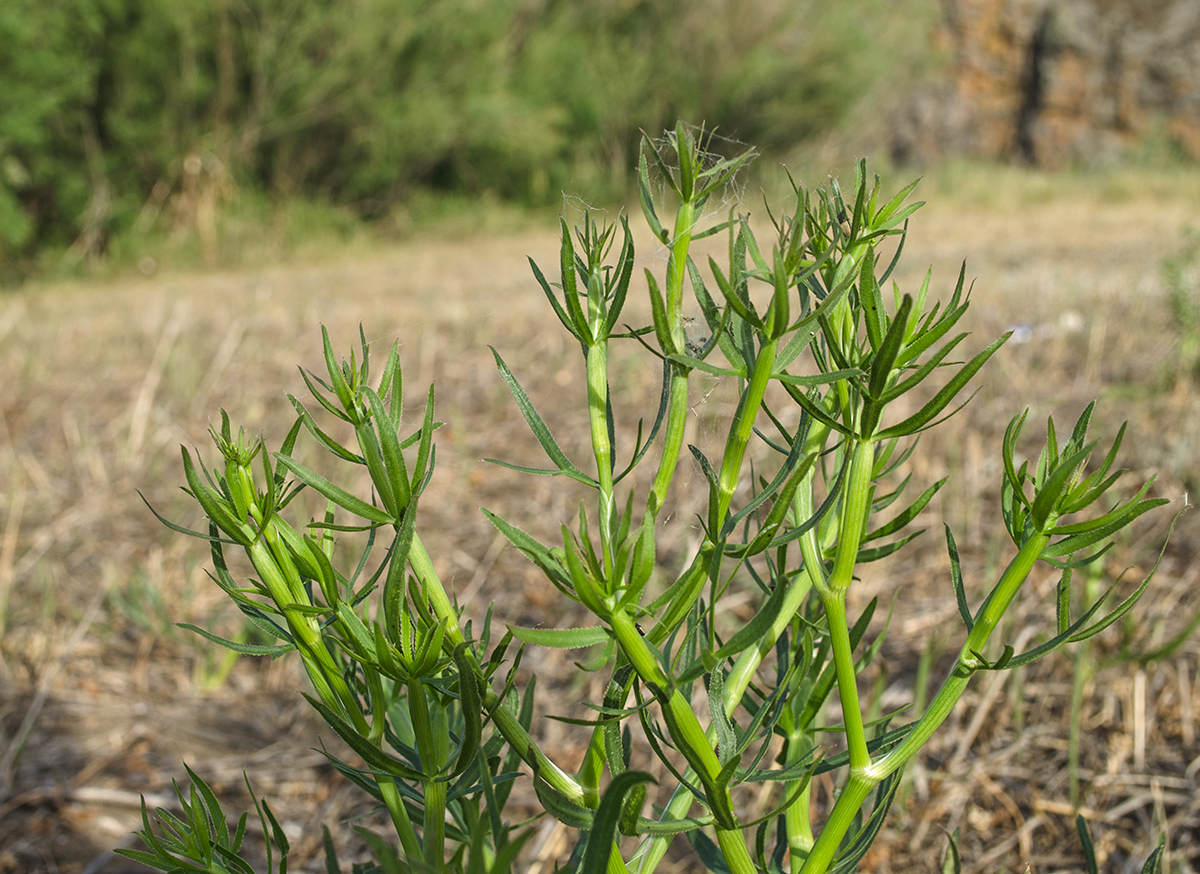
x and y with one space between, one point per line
1181 272
798 498
200 840
120 117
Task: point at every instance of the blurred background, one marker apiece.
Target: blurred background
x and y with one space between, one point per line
190 189
211 129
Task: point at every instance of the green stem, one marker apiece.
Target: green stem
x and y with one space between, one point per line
685 217
435 592
743 426
856 505
685 220
749 660
858 788
435 790
597 386
434 834
394 802
847 679
677 411
505 720
989 616
797 820
691 735
850 800
275 572
1084 666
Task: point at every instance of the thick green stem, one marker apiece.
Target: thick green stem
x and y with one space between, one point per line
677 411
856 505
685 220
435 592
276 572
743 426
847 679
394 801
434 832
597 387
749 660
855 508
685 217
797 820
852 797
691 735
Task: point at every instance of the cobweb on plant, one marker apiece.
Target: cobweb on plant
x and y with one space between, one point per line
714 148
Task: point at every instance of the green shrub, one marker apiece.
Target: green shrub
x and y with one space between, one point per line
123 115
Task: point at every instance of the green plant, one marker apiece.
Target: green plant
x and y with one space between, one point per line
138 128
1180 272
200 840
802 493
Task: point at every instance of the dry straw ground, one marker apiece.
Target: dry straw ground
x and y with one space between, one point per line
101 698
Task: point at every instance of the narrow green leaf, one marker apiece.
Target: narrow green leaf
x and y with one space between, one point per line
570 287
726 736
561 807
917 376
871 301
371 754
888 211
179 529
709 853
561 638
1054 487
150 860
394 587
336 378
919 420
865 556
471 705
905 517
817 379
395 469
1085 840
335 493
741 307
647 199
242 648
685 149
625 262
1063 602
1076 542
538 426
539 554
552 297
601 838
1101 521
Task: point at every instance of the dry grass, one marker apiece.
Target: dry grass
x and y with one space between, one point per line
102 698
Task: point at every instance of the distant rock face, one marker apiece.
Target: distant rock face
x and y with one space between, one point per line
1055 82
